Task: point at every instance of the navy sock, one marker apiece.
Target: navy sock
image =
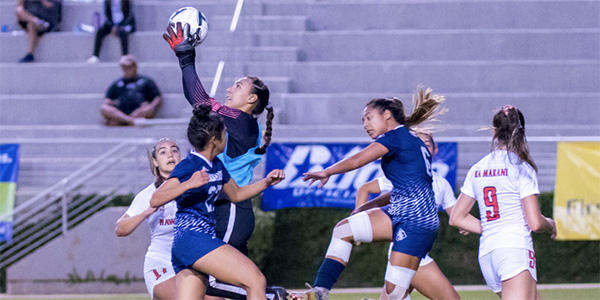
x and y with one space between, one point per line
328 273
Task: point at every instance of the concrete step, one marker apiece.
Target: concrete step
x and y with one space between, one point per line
408 45
463 44
150 15
297 109
146 46
84 108
83 78
546 76
365 15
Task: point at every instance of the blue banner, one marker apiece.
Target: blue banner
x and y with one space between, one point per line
445 162
9 170
340 190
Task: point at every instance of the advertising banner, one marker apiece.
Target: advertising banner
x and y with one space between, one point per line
577 191
9 170
340 190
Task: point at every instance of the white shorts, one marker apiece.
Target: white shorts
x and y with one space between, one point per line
424 261
506 263
156 272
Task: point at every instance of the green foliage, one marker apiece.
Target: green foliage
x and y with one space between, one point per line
564 261
121 200
74 277
300 237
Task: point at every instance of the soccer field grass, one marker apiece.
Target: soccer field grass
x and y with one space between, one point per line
567 293
579 294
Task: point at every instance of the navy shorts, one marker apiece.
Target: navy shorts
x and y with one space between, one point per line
189 246
410 239
235 223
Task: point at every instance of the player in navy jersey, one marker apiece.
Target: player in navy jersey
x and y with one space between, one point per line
429 279
411 218
195 184
246 99
504 185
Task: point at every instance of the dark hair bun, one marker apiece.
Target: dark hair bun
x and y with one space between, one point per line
202 111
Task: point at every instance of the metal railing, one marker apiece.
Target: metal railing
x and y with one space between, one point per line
59 208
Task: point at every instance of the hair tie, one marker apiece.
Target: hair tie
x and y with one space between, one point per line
506 108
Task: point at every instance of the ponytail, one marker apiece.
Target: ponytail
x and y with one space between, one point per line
509 132
426 108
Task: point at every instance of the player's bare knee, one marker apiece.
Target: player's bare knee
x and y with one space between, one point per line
256 280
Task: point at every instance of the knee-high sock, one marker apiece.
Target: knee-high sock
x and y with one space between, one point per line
328 273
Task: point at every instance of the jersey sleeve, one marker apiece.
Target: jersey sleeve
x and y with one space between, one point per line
467 187
527 182
388 141
226 175
182 171
140 203
446 193
196 94
385 185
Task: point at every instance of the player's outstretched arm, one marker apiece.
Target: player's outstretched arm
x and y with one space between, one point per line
186 54
127 224
237 193
172 188
365 156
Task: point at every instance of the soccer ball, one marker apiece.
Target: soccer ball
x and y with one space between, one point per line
193 17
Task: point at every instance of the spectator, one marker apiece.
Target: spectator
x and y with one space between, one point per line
37 17
119 21
132 98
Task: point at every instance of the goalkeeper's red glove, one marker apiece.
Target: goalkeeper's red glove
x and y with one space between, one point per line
180 43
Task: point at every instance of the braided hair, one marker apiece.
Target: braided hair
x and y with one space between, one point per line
261 90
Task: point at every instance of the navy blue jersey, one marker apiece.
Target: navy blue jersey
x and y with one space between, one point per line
408 166
195 207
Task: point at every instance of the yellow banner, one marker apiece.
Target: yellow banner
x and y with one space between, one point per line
577 191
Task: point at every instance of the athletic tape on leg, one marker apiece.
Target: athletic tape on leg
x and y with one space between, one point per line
360 224
400 277
342 231
340 249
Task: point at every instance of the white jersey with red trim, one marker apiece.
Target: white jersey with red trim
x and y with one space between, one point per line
499 181
161 222
443 192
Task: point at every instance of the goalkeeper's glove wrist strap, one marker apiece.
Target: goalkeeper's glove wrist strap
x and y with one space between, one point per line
186 59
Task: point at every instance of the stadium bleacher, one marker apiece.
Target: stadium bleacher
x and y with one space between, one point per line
322 60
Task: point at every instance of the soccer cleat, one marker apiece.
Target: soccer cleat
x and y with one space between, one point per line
280 293
313 293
